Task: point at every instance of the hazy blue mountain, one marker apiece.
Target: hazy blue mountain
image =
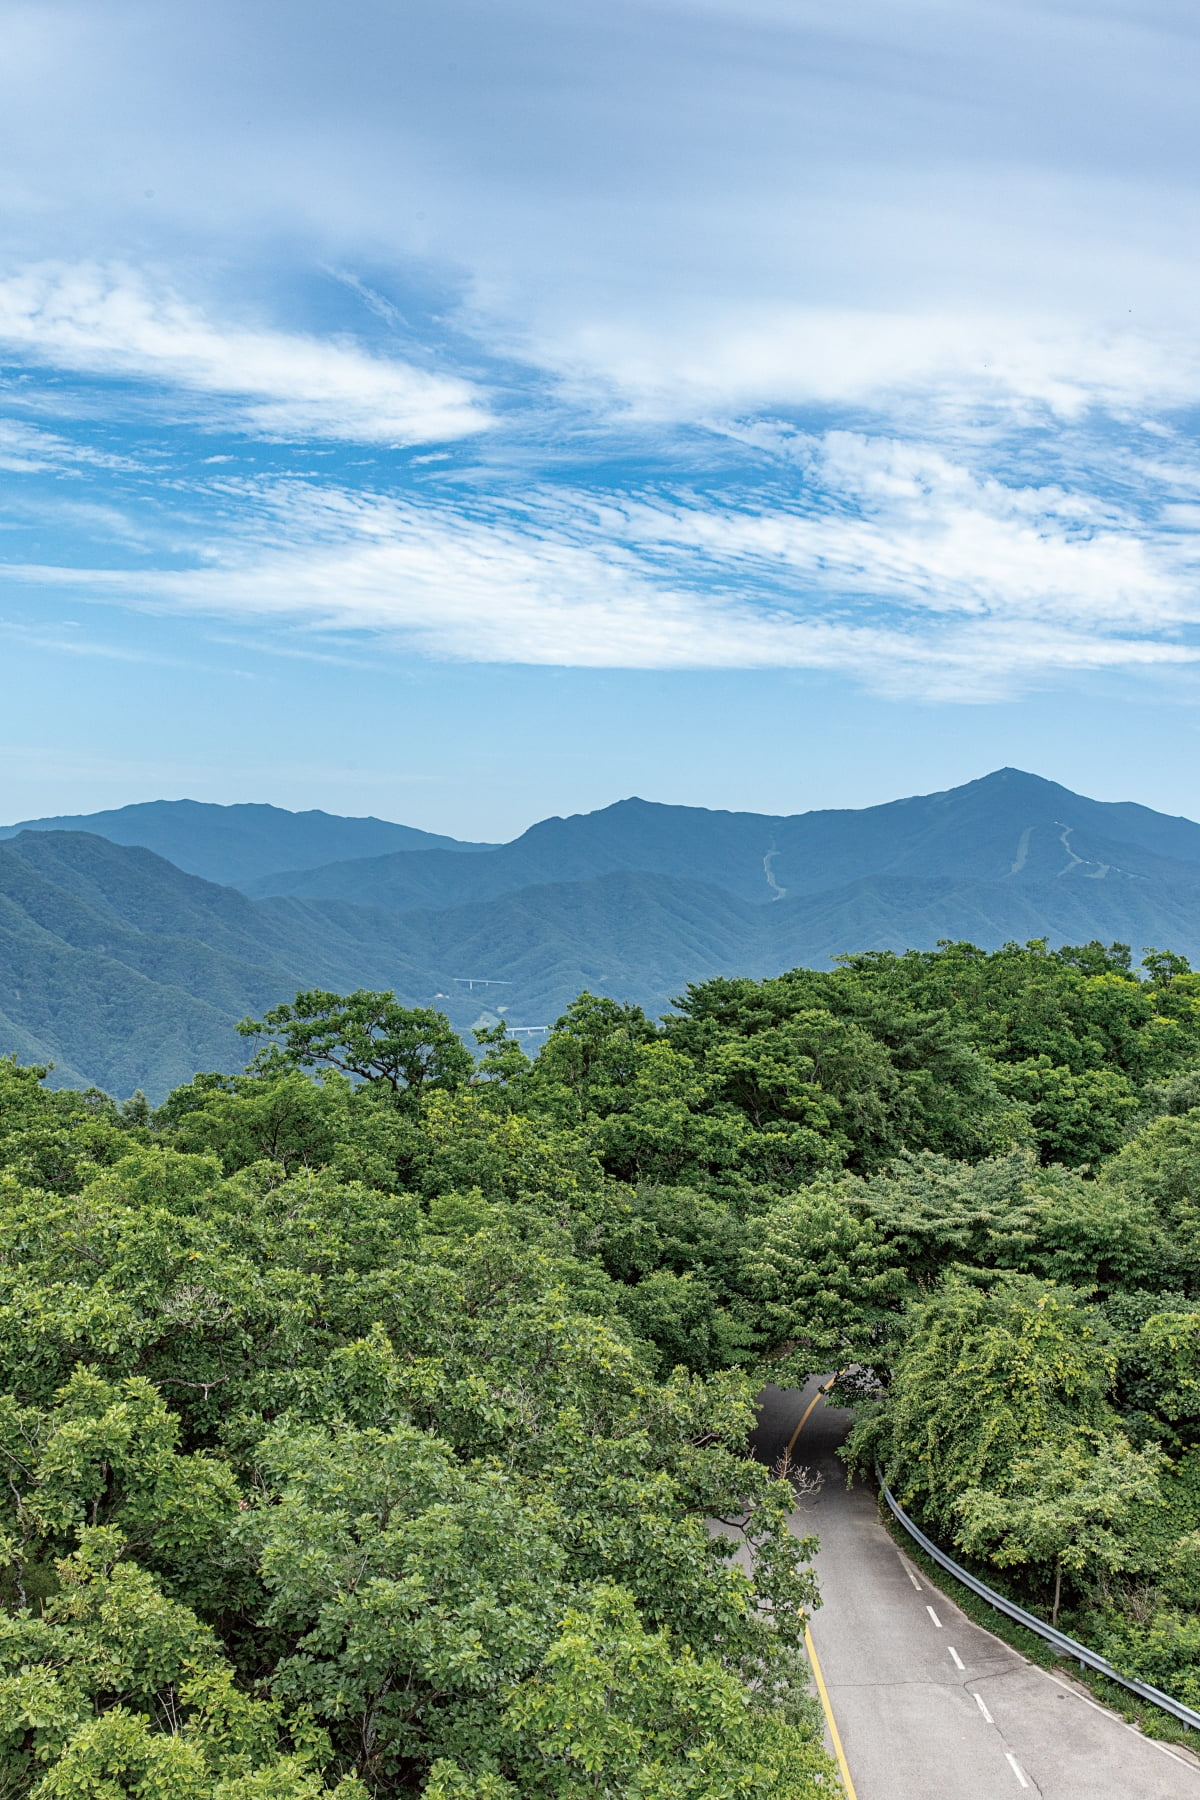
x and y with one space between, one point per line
727 849
240 844
1007 827
130 972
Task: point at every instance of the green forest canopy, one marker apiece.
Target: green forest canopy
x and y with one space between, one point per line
363 1414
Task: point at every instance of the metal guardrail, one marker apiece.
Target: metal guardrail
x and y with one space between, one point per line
1067 1645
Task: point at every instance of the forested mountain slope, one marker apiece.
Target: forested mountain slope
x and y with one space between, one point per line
241 844
643 937
126 972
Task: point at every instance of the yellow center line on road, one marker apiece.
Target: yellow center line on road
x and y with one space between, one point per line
843 1765
818 1396
815 1662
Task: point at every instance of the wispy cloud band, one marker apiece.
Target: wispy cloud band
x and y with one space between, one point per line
112 322
890 561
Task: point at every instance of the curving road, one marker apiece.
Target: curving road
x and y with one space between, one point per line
927 1705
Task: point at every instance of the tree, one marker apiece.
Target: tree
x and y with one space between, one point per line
367 1035
1010 1212
1164 967
851 1057
1078 1117
817 1284
1167 1350
285 1116
114 1690
616 1709
1162 1166
985 1367
364 1418
408 1588
53 1138
933 1213
1072 1504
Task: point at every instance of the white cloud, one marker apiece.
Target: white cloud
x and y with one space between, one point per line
899 566
955 230
902 525
690 202
111 322
934 366
28 450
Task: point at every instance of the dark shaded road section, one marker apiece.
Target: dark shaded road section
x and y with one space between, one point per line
928 1705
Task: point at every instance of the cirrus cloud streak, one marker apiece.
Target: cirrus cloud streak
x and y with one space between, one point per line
113 322
893 563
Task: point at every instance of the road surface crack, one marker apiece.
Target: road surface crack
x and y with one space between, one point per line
971 1686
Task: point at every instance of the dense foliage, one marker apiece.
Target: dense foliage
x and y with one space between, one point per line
332 1462
365 1416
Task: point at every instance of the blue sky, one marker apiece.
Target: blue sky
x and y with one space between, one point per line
469 413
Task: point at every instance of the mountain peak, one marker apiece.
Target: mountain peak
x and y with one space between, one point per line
1010 777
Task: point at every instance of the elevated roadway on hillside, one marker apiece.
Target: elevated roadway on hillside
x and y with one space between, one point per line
926 1704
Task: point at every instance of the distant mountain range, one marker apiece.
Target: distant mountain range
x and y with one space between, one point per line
127 963
243 844
1008 827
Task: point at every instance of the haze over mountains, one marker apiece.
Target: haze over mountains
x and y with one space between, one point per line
1007 827
237 844
128 963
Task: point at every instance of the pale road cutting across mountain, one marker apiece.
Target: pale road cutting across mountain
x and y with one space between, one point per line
777 892
1022 851
927 1705
1097 871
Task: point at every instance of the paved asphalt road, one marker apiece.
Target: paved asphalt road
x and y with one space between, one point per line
928 1705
